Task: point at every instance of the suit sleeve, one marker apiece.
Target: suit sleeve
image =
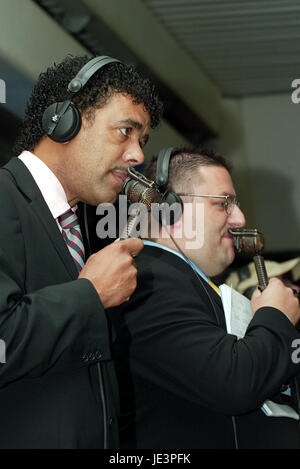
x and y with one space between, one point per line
52 329
171 336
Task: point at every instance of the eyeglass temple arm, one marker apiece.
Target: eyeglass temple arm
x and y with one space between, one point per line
205 195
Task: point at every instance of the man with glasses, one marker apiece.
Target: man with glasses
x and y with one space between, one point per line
184 381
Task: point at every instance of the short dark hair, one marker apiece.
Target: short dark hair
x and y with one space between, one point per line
183 164
52 84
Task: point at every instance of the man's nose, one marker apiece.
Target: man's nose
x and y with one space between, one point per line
134 154
237 218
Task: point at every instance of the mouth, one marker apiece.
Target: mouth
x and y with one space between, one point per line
119 176
228 235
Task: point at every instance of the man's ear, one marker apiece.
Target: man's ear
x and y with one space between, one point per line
178 224
177 228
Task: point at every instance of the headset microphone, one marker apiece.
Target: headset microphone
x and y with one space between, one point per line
138 189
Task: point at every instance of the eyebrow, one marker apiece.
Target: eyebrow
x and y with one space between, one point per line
228 193
135 124
145 139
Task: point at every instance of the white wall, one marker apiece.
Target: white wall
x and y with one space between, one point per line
231 144
30 40
262 137
29 46
162 137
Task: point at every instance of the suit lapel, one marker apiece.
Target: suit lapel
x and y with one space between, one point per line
26 184
220 310
215 302
218 305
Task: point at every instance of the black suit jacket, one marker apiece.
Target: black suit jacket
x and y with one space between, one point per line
58 387
182 377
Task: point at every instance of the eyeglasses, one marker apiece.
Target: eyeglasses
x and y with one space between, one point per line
229 204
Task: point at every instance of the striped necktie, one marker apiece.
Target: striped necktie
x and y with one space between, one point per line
72 236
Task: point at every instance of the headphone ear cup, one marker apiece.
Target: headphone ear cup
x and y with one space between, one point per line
172 200
68 125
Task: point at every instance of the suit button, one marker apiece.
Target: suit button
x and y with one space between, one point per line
98 354
92 357
85 358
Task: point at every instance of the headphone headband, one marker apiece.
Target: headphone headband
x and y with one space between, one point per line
162 166
161 179
87 71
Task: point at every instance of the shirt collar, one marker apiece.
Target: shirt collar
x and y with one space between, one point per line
50 187
191 263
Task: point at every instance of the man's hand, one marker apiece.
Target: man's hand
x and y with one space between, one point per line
112 271
279 296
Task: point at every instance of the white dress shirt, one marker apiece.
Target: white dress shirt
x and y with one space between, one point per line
50 187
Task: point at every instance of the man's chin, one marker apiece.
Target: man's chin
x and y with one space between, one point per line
228 245
230 256
109 198
227 260
113 199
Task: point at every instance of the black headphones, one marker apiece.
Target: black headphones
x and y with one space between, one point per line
62 121
169 198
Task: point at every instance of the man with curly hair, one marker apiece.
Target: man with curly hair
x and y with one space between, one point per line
58 386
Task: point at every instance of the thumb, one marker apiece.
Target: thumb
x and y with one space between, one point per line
256 294
133 245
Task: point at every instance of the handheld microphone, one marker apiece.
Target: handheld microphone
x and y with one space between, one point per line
138 189
252 241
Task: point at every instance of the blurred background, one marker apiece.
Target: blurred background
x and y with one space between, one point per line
225 71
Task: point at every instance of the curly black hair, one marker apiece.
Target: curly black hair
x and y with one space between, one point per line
51 87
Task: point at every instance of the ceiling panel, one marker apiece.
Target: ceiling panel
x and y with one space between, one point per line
247 47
